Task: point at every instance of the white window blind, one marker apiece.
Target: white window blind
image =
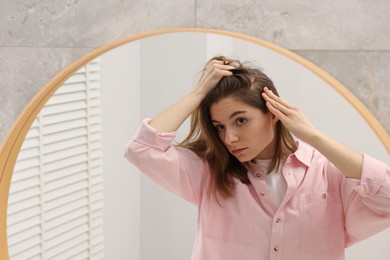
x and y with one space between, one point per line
55 207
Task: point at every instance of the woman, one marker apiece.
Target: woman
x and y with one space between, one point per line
260 193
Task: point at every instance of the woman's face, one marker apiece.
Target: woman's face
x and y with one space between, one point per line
246 131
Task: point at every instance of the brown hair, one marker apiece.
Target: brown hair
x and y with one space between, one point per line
246 84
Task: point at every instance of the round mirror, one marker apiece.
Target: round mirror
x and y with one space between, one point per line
72 193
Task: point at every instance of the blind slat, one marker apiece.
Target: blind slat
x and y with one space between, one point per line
69 247
82 254
28 153
33 132
27 164
27 203
79 76
66 182
67 98
23 215
65 126
64 144
21 195
63 117
66 236
56 231
69 170
60 201
63 191
73 86
27 254
54 108
63 136
24 245
67 208
80 213
14 239
66 162
57 156
24 225
26 183
24 174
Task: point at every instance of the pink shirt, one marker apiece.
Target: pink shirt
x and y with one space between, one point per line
322 211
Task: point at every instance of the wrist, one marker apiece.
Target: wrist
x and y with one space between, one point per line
315 138
199 92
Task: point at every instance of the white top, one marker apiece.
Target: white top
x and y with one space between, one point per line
276 183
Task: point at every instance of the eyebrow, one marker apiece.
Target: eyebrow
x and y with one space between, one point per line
232 115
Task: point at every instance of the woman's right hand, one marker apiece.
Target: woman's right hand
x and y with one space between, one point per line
215 70
171 118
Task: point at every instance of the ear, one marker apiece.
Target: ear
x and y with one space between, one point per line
274 119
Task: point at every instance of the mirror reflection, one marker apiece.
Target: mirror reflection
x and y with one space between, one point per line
73 194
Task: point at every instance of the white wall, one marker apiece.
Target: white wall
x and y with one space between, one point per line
120 115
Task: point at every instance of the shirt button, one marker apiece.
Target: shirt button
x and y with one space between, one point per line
276 249
261 194
277 220
323 196
258 175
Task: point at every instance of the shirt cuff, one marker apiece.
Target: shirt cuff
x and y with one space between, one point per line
374 174
151 137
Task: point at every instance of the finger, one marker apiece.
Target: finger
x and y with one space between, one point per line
276 112
222 67
221 70
225 62
214 72
233 63
218 63
225 73
277 105
274 97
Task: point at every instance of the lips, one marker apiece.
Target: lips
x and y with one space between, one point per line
238 151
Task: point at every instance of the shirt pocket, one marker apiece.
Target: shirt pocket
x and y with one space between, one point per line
322 222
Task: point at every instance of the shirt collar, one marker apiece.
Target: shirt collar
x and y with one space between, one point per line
304 153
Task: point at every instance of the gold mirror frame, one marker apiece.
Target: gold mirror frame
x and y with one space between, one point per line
10 148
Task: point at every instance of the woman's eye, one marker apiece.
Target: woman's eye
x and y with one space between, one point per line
219 127
241 121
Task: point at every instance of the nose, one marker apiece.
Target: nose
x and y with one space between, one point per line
230 137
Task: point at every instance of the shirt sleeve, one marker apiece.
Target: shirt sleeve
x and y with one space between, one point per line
176 169
367 201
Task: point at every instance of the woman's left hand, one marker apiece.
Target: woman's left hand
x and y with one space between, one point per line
348 161
290 116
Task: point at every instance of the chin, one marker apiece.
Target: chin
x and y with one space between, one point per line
244 159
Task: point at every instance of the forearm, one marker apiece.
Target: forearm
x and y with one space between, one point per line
348 161
173 117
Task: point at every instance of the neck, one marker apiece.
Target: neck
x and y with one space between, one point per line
269 151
